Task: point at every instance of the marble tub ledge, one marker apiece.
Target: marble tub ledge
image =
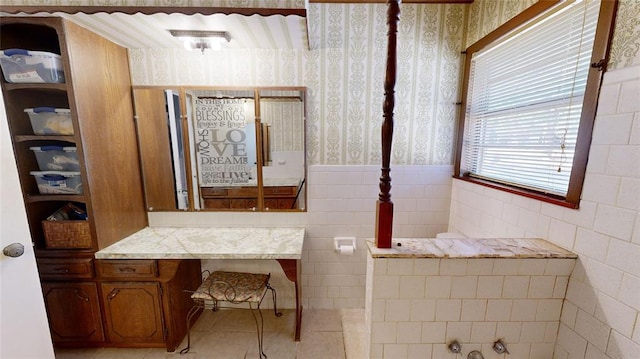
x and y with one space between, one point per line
469 248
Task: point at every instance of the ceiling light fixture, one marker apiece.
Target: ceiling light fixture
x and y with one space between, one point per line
201 39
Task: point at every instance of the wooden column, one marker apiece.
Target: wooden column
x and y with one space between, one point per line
384 206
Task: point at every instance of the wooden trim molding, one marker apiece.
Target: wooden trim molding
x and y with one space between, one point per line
384 210
148 10
599 59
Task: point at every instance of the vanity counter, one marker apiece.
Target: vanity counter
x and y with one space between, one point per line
208 243
281 244
469 248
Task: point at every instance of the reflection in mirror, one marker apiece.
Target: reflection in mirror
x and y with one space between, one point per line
283 153
222 126
161 146
227 150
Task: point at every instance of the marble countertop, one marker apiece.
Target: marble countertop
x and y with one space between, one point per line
469 248
208 243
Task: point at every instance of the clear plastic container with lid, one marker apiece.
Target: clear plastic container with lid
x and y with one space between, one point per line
24 66
50 121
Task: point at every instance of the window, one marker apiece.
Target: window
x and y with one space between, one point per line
529 105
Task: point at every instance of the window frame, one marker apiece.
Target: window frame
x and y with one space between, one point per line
600 56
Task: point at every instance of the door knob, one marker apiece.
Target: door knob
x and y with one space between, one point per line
13 250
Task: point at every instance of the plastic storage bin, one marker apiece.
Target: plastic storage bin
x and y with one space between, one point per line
50 121
24 66
56 158
58 182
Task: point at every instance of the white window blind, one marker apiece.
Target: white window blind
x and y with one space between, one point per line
525 100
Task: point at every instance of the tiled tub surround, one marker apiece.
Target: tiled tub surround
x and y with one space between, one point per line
426 293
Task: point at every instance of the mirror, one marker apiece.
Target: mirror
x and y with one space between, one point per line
222 149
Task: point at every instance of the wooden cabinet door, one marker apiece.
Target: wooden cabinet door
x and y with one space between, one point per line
74 312
133 312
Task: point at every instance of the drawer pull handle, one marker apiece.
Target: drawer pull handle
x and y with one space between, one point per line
81 295
126 269
61 270
113 294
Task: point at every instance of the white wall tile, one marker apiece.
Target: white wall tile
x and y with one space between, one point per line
399 266
603 277
448 309
386 286
612 129
384 332
515 287
559 266
560 288
615 222
570 342
549 310
593 330
592 244
581 295
509 332
630 291
621 347
453 267
438 287
490 286
532 266
419 351
524 310
412 286
533 332
506 267
480 266
423 310
464 286
409 332
499 310
395 350
629 194
629 95
562 233
624 256
397 310
426 266
635 131
569 313
433 332
608 99
623 160
474 310
460 331
541 287
483 332
615 314
598 159
541 351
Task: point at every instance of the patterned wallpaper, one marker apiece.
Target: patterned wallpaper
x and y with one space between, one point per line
344 72
486 15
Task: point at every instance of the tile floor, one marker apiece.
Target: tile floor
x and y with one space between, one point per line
231 334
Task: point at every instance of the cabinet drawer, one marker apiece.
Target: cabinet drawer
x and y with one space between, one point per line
64 268
130 268
280 191
213 192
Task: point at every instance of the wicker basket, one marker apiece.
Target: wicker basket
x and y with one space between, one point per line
67 234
